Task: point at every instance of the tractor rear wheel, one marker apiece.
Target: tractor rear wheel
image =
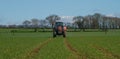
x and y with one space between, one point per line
54 34
64 34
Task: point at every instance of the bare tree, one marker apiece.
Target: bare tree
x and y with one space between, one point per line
78 20
26 23
52 19
35 23
88 21
95 18
118 22
43 24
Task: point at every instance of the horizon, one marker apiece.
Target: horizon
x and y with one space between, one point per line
15 12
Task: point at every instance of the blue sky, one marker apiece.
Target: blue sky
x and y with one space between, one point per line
16 11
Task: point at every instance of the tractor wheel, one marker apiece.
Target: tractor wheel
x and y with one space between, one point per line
54 34
64 34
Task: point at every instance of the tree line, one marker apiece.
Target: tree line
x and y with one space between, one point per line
95 21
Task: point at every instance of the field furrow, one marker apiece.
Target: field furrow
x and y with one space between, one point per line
106 52
73 50
36 50
54 50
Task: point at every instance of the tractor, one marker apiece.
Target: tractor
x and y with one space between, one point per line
59 29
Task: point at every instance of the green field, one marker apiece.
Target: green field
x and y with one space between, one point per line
77 45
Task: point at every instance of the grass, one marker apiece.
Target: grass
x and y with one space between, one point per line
85 43
90 45
18 45
54 50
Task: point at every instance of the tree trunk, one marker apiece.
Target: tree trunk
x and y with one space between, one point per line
35 29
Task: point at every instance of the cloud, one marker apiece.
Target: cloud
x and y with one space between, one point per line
110 15
117 14
113 15
67 18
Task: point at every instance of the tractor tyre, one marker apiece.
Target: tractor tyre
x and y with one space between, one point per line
64 34
54 34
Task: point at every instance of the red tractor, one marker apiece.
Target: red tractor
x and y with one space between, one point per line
59 29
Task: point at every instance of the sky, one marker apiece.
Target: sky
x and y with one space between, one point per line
16 11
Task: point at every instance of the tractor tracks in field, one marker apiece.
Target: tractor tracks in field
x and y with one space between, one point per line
73 50
106 52
36 50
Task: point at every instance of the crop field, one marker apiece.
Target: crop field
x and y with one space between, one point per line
77 45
